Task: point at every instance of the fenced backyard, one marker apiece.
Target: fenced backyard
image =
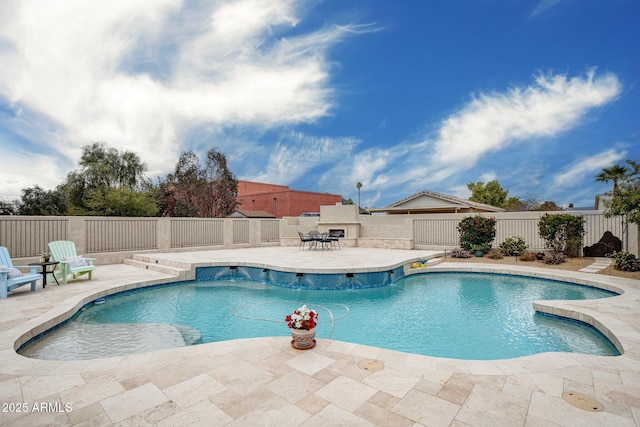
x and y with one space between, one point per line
429 232
111 239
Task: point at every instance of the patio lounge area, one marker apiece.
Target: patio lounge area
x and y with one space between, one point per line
265 381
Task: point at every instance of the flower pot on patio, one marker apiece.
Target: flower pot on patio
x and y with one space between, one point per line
303 339
303 327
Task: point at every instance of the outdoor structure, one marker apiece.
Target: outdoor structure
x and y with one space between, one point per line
249 382
280 200
606 246
600 198
432 202
243 213
112 239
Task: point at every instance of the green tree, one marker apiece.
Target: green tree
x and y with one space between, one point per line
37 201
179 190
477 231
75 188
614 173
514 204
532 202
562 232
529 203
490 194
121 202
222 186
193 191
359 186
104 166
549 206
89 190
625 200
8 208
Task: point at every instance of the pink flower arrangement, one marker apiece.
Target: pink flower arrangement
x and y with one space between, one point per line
302 318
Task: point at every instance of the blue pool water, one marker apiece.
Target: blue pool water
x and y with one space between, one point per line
461 315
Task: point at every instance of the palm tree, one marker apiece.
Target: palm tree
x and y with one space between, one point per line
359 186
614 173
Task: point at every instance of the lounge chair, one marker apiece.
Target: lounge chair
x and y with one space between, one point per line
71 264
11 278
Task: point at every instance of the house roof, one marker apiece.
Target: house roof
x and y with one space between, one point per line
244 213
432 202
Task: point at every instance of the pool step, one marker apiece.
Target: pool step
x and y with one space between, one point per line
153 259
179 272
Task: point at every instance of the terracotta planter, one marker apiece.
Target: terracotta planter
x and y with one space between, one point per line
303 339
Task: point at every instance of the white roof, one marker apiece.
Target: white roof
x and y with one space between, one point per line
431 201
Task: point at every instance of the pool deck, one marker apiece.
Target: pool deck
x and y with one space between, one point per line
264 381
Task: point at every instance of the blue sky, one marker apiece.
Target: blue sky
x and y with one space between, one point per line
318 95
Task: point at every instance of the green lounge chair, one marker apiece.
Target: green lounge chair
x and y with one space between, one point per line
17 278
71 264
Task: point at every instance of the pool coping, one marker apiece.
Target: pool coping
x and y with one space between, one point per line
617 315
583 310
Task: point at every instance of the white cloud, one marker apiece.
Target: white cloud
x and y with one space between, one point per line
461 191
489 123
587 168
157 77
40 171
297 153
488 176
544 6
243 19
369 167
492 122
142 74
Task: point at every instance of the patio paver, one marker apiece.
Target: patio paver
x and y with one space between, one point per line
244 382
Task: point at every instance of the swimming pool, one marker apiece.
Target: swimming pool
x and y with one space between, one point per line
456 315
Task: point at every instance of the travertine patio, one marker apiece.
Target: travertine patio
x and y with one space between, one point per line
266 382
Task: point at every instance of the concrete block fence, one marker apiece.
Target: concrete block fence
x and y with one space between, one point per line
112 239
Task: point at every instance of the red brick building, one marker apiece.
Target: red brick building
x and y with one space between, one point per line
280 200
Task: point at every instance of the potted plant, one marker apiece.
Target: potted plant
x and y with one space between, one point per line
479 250
303 327
45 256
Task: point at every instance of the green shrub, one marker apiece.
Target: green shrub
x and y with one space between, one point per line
460 253
477 230
625 261
554 258
513 246
562 232
528 256
495 254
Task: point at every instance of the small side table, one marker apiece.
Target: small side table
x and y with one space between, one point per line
45 270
